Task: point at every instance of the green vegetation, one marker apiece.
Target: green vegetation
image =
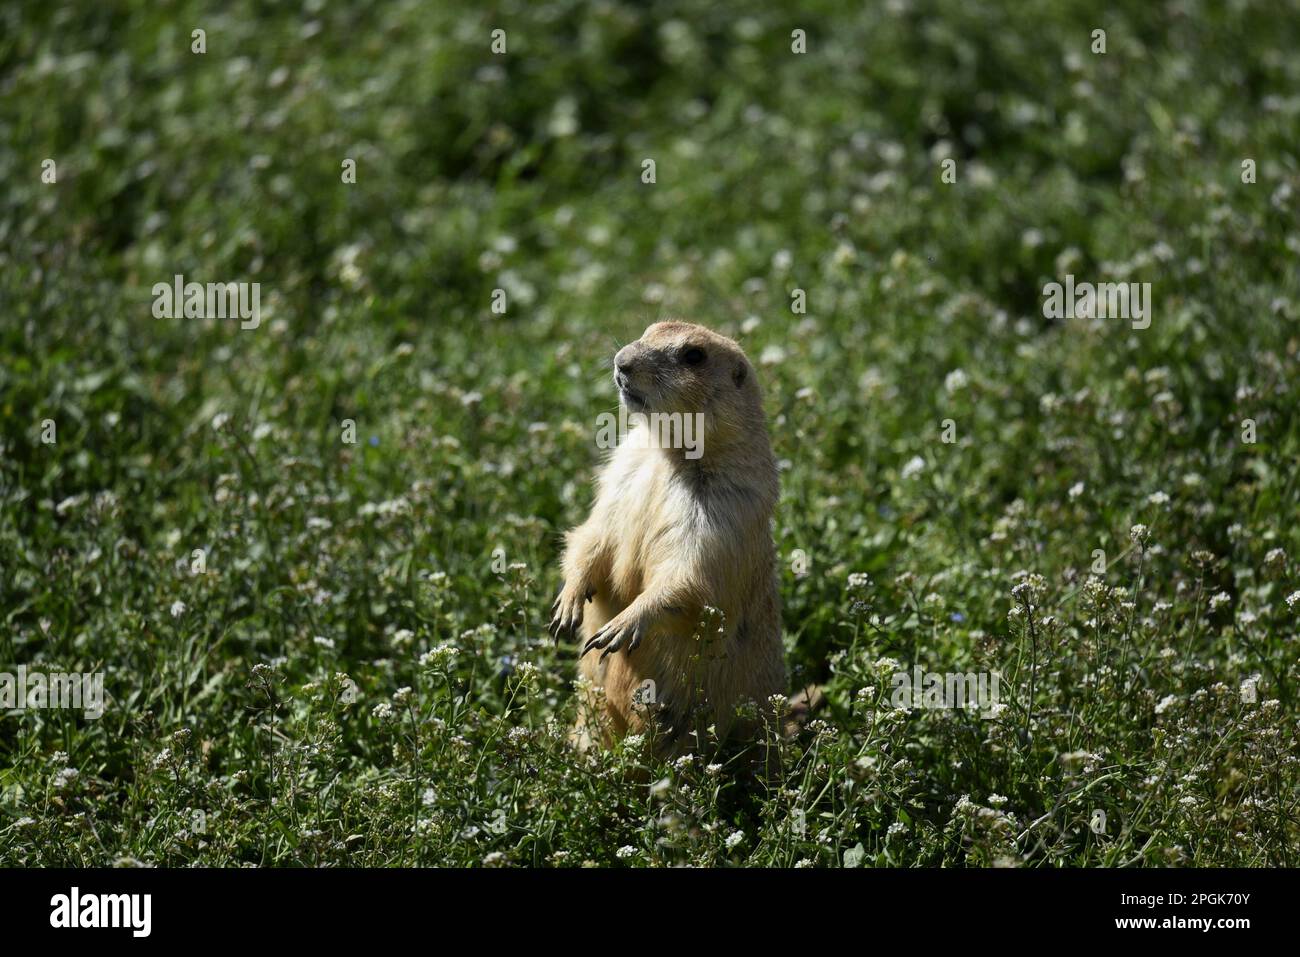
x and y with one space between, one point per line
349 672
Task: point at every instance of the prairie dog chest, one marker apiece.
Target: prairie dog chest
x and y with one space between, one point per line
648 516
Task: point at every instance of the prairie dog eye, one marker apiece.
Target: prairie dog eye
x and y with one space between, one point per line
693 356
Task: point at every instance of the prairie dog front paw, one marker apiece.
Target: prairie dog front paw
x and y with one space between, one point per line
566 613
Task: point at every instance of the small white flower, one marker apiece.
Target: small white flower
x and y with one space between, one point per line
1167 702
439 656
734 839
69 503
66 777
914 466
886 666
1219 600
859 580
177 609
528 671
626 851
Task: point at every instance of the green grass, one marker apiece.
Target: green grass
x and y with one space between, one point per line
231 737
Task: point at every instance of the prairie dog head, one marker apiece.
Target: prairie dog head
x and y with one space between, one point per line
679 367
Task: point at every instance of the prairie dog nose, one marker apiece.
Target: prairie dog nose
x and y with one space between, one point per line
623 360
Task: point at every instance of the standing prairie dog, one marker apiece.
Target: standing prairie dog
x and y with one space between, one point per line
671 581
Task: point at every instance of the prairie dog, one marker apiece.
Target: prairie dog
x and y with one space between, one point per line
675 533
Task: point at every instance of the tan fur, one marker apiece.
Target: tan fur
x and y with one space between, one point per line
669 538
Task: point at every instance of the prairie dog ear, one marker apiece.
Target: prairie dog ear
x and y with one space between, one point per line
738 376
